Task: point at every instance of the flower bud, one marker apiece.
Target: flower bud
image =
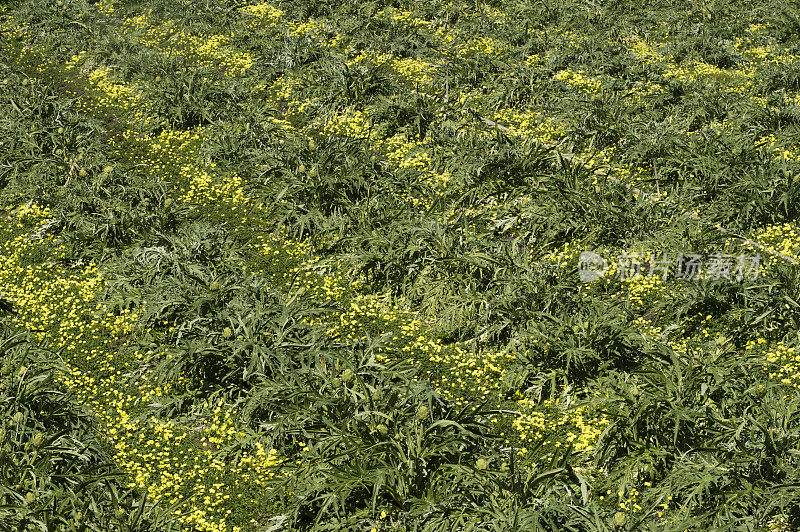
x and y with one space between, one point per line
30 497
347 375
227 333
422 412
620 519
383 429
481 464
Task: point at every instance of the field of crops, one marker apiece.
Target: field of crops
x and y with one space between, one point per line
399 265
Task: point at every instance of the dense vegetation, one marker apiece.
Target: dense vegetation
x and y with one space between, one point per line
307 265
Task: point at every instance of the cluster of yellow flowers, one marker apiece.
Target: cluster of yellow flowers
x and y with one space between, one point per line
567 256
55 308
483 46
402 17
643 289
267 14
292 265
757 52
734 80
579 80
760 47
785 360
285 92
466 376
458 373
369 315
349 123
111 94
191 466
61 310
266 17
175 156
106 7
206 189
199 50
558 422
532 125
628 502
779 238
416 73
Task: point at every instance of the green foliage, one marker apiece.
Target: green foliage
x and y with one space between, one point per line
55 473
409 186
